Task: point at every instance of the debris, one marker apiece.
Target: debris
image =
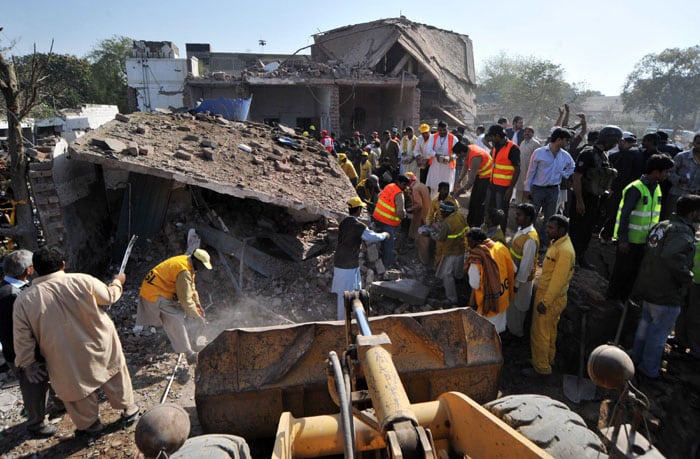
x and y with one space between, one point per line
405 290
245 148
133 149
121 117
180 154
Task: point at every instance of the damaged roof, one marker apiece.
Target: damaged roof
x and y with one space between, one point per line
447 56
242 159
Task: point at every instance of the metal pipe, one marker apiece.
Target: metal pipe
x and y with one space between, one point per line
346 423
172 377
361 317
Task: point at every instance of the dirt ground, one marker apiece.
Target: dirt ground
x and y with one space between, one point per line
300 293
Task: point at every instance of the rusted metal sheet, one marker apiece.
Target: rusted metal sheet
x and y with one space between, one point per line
246 378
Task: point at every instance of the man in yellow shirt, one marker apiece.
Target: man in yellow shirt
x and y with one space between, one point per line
168 294
348 168
551 296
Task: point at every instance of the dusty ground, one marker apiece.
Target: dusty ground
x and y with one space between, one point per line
299 294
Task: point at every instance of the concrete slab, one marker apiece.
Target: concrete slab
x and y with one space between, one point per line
407 290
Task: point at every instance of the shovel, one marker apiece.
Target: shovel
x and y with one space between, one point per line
578 388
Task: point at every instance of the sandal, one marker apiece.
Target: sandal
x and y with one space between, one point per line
128 418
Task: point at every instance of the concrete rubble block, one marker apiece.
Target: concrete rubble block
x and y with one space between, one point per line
191 138
258 160
133 148
121 117
114 144
209 154
184 128
183 155
282 167
298 161
145 150
331 171
392 274
222 121
372 252
206 143
186 148
405 290
204 116
379 267
142 129
244 147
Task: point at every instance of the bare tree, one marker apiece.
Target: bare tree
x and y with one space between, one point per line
19 100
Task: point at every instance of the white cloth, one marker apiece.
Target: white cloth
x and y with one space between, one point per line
480 142
438 147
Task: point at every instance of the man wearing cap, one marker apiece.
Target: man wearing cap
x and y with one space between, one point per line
421 152
346 262
168 295
409 162
368 190
365 166
348 168
442 159
478 167
327 141
388 213
449 235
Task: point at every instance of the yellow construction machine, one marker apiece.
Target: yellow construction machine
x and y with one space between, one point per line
416 395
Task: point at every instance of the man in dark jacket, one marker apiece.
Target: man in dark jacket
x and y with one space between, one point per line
346 263
663 281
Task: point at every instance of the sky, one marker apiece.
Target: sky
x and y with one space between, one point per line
596 42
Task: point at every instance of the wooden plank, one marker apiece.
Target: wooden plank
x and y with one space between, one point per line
255 259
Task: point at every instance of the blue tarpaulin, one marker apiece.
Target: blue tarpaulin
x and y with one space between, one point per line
231 109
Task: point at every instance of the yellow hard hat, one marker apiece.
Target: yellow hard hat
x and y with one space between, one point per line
305 133
356 202
423 128
342 156
312 128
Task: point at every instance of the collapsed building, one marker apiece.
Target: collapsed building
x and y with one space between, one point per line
380 74
129 175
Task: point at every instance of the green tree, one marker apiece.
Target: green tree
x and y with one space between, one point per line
530 87
668 85
68 81
108 60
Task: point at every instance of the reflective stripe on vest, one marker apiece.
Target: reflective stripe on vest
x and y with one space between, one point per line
458 234
486 162
516 250
503 169
450 142
645 214
385 210
696 264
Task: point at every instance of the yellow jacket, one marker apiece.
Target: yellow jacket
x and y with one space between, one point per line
172 279
365 170
349 169
557 269
506 271
434 214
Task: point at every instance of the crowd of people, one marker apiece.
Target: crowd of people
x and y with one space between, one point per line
563 191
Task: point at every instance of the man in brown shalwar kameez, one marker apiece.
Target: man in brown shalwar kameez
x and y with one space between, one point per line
62 314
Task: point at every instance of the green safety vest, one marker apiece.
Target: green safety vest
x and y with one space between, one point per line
696 265
645 214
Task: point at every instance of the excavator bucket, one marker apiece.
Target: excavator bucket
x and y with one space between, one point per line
246 378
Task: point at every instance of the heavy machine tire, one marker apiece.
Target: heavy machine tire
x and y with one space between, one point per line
549 424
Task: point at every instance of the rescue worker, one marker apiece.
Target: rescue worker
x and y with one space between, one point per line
665 276
346 262
449 235
348 168
505 172
168 295
420 205
524 248
491 273
327 141
368 190
441 158
407 152
421 152
388 214
550 297
365 166
479 166
639 211
434 214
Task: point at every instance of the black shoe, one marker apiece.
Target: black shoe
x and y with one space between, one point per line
93 431
43 430
128 419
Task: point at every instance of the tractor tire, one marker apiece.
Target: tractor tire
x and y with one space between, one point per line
549 424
